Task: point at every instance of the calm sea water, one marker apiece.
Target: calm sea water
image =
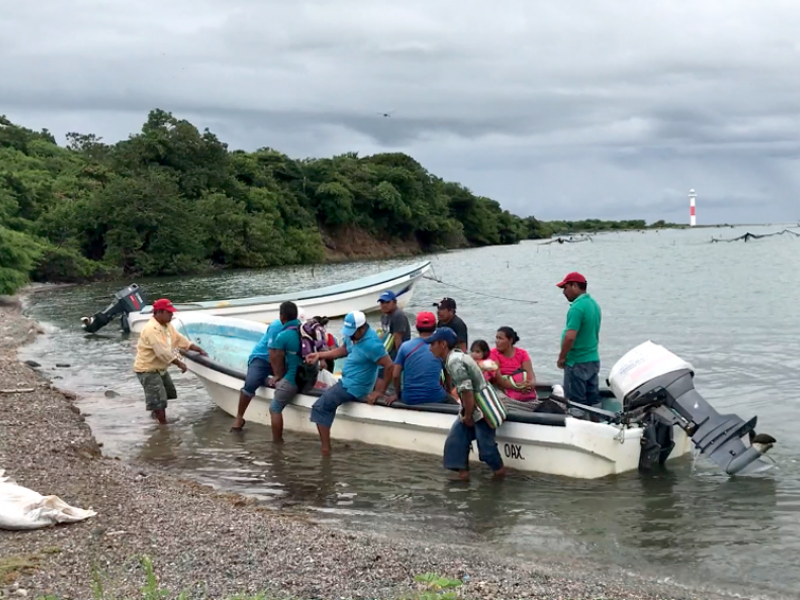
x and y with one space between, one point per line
730 309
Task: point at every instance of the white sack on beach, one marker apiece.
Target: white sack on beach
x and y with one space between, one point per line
21 508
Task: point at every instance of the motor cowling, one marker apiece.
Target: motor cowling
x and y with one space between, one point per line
127 300
656 389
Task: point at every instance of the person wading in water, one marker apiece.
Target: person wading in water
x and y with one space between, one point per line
155 352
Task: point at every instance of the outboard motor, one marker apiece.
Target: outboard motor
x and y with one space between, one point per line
128 300
656 389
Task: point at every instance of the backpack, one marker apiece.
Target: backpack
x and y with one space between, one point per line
312 339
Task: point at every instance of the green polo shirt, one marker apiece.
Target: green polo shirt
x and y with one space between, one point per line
584 317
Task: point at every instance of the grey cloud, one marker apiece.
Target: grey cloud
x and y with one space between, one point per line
583 109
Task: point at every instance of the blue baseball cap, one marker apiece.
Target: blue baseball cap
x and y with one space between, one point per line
387 296
353 321
444 334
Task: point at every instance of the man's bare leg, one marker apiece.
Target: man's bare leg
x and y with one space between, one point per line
244 402
276 420
325 439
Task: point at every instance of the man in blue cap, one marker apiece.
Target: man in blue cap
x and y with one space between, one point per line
365 355
394 323
468 380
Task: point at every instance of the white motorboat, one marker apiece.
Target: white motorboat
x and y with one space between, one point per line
331 301
637 435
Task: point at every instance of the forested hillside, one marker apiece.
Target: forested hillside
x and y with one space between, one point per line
174 200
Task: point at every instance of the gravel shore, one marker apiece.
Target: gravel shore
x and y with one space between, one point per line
218 545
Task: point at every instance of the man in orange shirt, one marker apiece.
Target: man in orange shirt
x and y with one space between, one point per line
155 352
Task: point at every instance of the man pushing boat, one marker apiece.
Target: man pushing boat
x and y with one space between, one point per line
155 352
468 380
365 354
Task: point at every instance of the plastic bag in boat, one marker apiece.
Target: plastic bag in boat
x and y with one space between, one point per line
325 379
22 508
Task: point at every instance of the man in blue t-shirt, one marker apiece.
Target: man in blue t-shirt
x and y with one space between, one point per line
365 355
417 372
284 356
258 370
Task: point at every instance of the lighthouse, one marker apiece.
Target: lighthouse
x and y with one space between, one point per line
692 217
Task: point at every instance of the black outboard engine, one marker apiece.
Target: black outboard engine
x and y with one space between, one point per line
657 391
128 300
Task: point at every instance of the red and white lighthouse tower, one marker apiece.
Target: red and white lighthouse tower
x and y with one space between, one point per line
692 216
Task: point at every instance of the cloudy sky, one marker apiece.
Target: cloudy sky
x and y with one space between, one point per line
570 109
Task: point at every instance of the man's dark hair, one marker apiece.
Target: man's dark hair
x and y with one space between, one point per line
453 345
581 285
430 329
288 311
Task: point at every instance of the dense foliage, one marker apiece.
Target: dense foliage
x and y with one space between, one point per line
172 200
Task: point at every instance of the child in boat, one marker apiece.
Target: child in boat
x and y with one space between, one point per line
480 354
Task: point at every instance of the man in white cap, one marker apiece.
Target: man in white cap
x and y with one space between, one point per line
365 354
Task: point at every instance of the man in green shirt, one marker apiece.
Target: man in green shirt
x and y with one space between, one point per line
579 356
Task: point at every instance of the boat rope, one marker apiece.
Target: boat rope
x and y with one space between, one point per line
473 291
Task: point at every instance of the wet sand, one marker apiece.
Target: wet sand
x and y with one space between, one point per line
218 545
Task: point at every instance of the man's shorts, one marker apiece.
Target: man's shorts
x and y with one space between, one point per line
257 372
158 389
284 392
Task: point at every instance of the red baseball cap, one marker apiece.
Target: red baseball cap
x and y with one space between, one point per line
573 277
426 319
163 304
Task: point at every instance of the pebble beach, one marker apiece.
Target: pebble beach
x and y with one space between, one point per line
213 545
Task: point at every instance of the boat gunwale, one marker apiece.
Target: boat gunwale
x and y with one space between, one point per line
514 416
311 294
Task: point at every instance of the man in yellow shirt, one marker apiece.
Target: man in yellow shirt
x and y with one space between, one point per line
155 352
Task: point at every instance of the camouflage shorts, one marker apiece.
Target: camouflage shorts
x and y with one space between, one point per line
157 389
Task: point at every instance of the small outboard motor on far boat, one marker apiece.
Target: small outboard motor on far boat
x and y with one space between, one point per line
657 391
127 300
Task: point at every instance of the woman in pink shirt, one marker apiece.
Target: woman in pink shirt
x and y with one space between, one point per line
515 376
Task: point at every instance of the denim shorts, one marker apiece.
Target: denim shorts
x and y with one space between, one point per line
284 392
257 372
324 410
581 382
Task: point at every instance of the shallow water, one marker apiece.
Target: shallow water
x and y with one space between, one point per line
730 309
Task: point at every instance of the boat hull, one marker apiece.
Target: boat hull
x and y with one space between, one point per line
340 300
575 448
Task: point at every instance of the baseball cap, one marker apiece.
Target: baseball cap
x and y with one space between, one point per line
446 303
573 277
163 304
444 334
426 320
387 296
353 321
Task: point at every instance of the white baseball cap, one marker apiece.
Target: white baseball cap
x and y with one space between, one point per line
353 321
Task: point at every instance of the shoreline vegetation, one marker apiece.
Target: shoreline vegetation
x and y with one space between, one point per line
156 536
172 200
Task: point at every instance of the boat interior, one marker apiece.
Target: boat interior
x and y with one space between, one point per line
229 347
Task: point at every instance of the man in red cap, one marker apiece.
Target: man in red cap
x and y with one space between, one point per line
422 383
155 352
579 355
